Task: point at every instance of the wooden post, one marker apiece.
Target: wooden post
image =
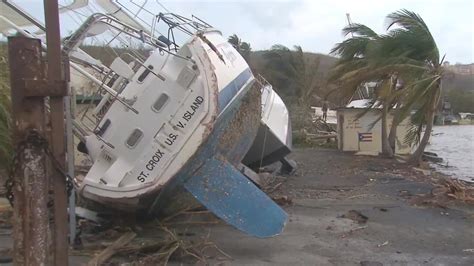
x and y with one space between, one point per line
30 212
56 78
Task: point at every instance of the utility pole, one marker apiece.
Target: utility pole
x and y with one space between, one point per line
39 183
30 185
56 81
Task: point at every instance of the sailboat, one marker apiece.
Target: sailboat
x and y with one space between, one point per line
274 137
169 116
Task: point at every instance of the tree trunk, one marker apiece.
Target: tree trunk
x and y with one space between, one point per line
386 149
393 131
415 158
393 134
395 121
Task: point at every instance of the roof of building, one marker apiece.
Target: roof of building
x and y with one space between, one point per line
361 104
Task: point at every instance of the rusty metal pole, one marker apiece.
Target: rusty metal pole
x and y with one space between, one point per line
30 189
55 77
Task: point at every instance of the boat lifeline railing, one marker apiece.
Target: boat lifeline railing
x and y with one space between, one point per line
265 89
84 31
171 21
260 79
113 82
117 78
20 30
185 25
143 15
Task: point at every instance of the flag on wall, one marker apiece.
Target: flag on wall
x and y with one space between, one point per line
365 137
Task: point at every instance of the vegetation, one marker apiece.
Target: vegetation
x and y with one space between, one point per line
404 62
461 100
416 53
298 77
406 54
459 91
361 61
242 47
5 119
290 68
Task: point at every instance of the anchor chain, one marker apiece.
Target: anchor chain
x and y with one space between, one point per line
33 139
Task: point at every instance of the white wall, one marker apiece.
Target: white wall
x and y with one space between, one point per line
351 127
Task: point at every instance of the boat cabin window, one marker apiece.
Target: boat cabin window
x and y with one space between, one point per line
145 73
134 138
160 102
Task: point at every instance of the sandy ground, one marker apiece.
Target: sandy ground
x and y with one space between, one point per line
328 184
403 226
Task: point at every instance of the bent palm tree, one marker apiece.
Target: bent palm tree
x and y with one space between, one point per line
235 41
416 51
243 48
361 62
292 70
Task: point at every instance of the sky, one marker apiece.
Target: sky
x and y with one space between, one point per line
316 25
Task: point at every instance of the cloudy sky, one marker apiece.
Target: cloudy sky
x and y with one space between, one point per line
316 25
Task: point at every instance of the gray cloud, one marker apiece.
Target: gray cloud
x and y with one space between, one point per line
316 25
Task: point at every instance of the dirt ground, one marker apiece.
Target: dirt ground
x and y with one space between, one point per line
343 210
403 227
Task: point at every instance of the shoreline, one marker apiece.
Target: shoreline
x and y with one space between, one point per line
434 167
454 144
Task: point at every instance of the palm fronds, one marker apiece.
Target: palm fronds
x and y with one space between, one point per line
413 34
407 52
291 69
243 48
5 112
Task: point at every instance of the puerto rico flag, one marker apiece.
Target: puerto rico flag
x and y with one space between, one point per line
365 137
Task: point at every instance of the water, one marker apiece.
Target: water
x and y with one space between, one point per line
455 144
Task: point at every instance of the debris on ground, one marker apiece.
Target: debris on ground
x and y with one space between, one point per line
165 240
182 248
283 200
356 216
446 191
108 252
423 171
184 237
454 189
350 232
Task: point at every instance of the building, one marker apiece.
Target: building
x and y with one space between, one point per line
460 69
361 134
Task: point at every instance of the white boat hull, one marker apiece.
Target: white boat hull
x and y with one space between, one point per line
274 137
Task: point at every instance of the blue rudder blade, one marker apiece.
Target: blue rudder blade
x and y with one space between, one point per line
226 192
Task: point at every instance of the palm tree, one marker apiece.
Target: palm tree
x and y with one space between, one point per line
293 71
235 41
415 50
360 61
243 48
